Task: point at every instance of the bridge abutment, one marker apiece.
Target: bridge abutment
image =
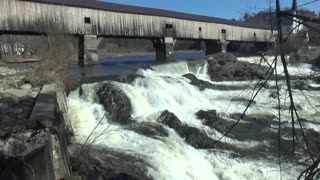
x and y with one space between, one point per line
88 50
164 48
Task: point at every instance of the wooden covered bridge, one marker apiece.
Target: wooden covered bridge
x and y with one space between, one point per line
92 20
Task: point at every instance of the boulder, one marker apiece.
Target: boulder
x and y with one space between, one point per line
148 129
222 68
301 85
210 118
115 102
108 164
192 135
202 85
130 78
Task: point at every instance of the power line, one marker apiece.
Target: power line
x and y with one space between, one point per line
308 3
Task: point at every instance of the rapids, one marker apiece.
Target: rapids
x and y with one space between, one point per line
164 88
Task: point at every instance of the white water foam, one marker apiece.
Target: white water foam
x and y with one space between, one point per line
299 69
171 157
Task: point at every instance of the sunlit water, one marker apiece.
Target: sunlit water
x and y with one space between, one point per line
164 88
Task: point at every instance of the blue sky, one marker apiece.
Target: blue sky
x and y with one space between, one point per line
219 8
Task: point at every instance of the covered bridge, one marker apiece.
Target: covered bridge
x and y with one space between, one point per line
90 19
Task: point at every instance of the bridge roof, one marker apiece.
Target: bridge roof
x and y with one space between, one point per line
114 7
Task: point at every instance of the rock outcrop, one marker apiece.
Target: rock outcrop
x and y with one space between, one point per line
202 85
115 102
130 78
149 129
192 135
224 66
210 118
103 163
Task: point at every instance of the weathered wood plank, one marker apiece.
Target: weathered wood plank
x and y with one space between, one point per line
18 15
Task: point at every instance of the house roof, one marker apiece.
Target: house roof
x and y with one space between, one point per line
114 7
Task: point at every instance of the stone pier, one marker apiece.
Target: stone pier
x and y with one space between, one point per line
212 47
88 50
164 48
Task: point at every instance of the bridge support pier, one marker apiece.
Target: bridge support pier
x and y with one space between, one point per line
212 47
224 45
215 46
262 46
164 48
88 50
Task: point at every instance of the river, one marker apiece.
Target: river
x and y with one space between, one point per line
252 152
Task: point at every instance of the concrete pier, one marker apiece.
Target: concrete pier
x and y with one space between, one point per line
164 48
88 50
212 47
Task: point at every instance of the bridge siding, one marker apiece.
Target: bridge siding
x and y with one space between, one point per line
36 17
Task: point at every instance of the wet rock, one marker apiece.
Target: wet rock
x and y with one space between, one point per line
15 169
223 68
192 135
148 129
210 118
3 106
242 100
26 86
222 57
254 118
202 85
130 78
115 102
9 100
20 138
273 95
109 164
306 55
301 85
314 140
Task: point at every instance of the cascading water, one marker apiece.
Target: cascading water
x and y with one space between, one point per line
170 157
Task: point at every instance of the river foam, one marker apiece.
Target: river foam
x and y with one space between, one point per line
164 88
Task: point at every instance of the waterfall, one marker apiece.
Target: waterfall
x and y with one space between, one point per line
202 72
170 157
179 68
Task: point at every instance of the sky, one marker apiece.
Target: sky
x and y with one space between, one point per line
227 9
